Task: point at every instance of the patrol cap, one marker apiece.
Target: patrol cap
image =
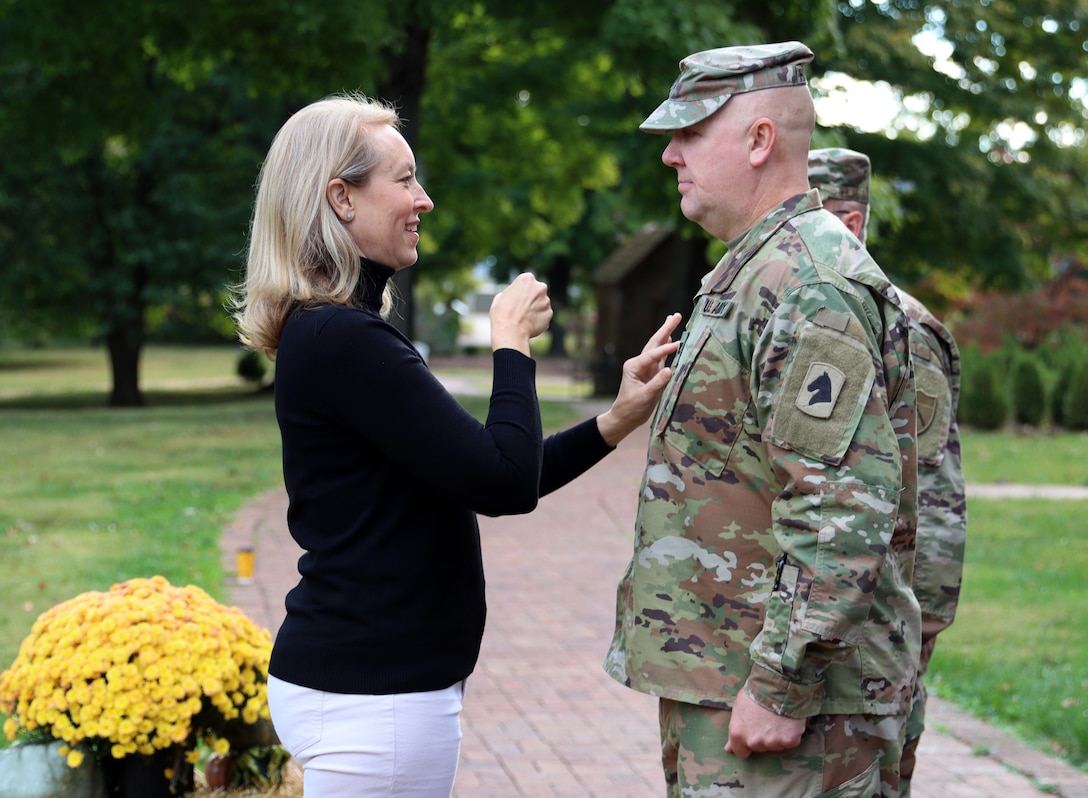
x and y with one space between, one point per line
708 79
840 173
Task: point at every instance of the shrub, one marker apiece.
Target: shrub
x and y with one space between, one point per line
1060 391
1068 348
1075 409
1028 391
983 401
252 366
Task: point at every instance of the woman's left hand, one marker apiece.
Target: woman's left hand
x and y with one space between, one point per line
644 378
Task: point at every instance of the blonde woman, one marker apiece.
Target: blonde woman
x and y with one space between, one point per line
384 469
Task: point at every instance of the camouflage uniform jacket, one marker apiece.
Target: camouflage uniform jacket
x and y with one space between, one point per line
774 544
942 496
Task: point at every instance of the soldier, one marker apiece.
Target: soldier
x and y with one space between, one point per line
842 178
768 602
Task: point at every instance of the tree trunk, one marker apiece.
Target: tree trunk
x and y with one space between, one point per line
559 290
124 351
403 86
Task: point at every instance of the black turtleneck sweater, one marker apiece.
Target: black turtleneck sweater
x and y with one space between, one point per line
385 472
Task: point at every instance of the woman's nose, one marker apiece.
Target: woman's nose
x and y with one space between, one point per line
423 201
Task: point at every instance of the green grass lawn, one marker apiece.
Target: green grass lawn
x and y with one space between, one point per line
90 496
1039 459
1018 650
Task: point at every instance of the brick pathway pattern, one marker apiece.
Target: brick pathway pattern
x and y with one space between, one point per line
541 717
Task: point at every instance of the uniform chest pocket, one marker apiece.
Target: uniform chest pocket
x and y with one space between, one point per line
707 404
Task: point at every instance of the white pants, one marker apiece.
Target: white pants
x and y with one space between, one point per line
357 746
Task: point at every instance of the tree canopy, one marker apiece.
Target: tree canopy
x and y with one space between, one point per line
132 139
987 155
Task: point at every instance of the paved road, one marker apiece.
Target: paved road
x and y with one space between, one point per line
541 717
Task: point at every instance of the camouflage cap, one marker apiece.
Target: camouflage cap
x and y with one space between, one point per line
708 79
840 173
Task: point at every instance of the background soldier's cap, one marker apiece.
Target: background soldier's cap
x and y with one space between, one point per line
840 173
708 79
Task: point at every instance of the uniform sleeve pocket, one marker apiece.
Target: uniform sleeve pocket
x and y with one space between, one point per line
856 524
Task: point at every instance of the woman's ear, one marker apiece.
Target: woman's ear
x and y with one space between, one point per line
761 138
340 199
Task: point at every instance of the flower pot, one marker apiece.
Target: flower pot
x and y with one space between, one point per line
37 770
217 770
145 776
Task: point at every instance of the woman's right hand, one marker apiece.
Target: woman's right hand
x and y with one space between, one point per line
519 313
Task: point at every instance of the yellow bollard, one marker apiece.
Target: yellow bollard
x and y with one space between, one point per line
245 563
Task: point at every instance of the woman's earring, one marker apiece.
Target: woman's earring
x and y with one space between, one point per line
349 215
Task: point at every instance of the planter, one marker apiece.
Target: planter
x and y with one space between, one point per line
145 776
217 770
37 770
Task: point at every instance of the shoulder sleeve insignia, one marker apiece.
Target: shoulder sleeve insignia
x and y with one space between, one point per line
934 411
820 390
825 388
927 410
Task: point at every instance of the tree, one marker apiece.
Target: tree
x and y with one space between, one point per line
539 151
987 155
136 148
133 152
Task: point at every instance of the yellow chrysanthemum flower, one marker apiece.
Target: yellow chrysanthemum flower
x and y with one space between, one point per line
143 666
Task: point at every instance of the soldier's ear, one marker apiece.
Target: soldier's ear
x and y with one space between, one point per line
761 138
855 222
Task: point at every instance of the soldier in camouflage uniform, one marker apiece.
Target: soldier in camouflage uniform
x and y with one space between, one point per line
768 601
842 178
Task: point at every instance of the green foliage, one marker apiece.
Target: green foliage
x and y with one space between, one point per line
1028 391
261 767
996 132
1075 409
1059 394
132 153
137 149
984 402
1065 350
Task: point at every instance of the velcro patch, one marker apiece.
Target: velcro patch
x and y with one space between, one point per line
826 386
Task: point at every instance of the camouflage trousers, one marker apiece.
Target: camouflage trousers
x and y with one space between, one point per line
916 724
840 756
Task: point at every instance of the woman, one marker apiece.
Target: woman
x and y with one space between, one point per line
385 471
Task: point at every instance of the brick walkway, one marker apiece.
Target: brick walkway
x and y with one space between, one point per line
541 717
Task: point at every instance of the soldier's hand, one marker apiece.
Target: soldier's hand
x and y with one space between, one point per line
753 729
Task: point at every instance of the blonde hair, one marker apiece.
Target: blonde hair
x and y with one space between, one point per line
299 252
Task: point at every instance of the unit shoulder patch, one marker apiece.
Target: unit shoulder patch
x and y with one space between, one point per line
820 390
825 389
